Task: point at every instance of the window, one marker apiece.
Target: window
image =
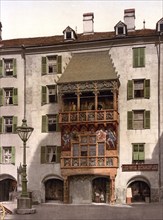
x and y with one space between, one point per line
51 64
8 96
161 27
120 30
50 123
8 67
68 35
8 124
7 155
139 57
139 88
49 94
87 147
138 153
138 119
50 154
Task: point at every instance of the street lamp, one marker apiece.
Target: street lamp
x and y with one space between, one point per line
24 133
24 202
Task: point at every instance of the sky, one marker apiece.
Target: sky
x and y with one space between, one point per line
39 18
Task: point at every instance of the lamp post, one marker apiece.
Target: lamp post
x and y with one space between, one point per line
24 205
24 133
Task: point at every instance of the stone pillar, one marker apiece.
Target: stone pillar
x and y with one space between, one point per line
66 190
112 189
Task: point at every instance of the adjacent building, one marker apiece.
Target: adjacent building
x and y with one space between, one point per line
94 100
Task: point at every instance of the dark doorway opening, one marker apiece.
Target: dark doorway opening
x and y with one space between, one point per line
54 190
7 189
140 191
100 190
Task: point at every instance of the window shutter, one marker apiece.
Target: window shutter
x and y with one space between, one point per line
147 119
130 89
130 120
14 67
1 124
1 67
44 95
57 124
44 123
0 154
1 97
43 154
141 155
135 57
44 66
59 64
147 89
142 57
15 96
13 155
135 156
58 154
14 125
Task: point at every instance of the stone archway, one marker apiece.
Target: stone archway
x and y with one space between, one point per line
140 189
8 187
53 190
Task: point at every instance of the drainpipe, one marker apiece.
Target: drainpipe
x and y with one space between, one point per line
158 48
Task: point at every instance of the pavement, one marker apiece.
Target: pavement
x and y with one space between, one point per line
100 211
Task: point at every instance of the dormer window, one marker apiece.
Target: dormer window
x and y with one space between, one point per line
69 34
159 25
120 29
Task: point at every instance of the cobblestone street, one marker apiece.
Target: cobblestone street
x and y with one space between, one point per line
151 211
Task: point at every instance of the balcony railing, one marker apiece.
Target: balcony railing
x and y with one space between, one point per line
77 162
88 116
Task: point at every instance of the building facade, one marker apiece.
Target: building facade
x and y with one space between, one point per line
95 103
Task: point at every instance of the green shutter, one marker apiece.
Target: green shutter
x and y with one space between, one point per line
14 67
13 155
135 156
44 66
130 89
43 154
141 57
135 57
57 124
1 124
141 155
58 154
59 64
1 68
44 123
0 154
44 95
147 89
14 124
1 97
15 96
130 120
147 119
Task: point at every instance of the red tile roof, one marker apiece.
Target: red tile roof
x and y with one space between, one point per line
59 39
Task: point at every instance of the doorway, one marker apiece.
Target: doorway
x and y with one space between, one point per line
100 193
7 189
54 190
140 191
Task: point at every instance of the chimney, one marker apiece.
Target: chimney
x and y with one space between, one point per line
0 31
129 19
88 23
